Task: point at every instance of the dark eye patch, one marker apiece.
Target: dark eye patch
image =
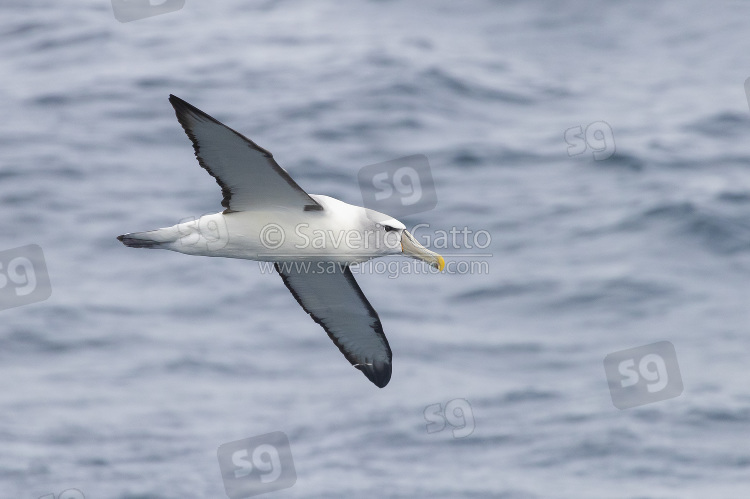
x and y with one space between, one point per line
388 228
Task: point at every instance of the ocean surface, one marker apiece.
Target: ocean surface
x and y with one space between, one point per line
632 230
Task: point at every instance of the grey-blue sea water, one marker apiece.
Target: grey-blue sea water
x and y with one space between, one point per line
125 382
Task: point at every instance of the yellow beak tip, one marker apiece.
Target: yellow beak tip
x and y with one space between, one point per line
441 263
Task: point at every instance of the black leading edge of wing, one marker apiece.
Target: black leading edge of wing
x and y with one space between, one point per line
248 175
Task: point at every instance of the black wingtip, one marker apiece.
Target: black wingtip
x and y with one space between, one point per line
119 238
378 372
183 107
179 104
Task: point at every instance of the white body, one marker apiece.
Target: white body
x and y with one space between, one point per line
334 234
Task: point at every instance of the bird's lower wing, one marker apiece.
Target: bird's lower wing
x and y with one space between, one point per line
329 293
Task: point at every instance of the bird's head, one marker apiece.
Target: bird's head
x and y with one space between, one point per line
400 241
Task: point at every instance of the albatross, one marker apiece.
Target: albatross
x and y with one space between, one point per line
311 239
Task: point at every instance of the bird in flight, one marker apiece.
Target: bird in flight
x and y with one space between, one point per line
311 239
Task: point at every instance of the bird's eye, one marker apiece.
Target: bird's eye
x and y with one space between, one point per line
388 228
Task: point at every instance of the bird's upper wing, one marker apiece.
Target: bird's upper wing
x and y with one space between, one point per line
248 175
334 300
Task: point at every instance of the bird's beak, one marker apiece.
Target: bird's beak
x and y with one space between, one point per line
410 247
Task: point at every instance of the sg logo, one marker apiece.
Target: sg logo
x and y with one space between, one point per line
257 465
66 494
597 136
23 277
457 413
399 187
209 232
133 10
642 375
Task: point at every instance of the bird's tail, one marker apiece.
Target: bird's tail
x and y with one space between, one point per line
151 239
206 235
